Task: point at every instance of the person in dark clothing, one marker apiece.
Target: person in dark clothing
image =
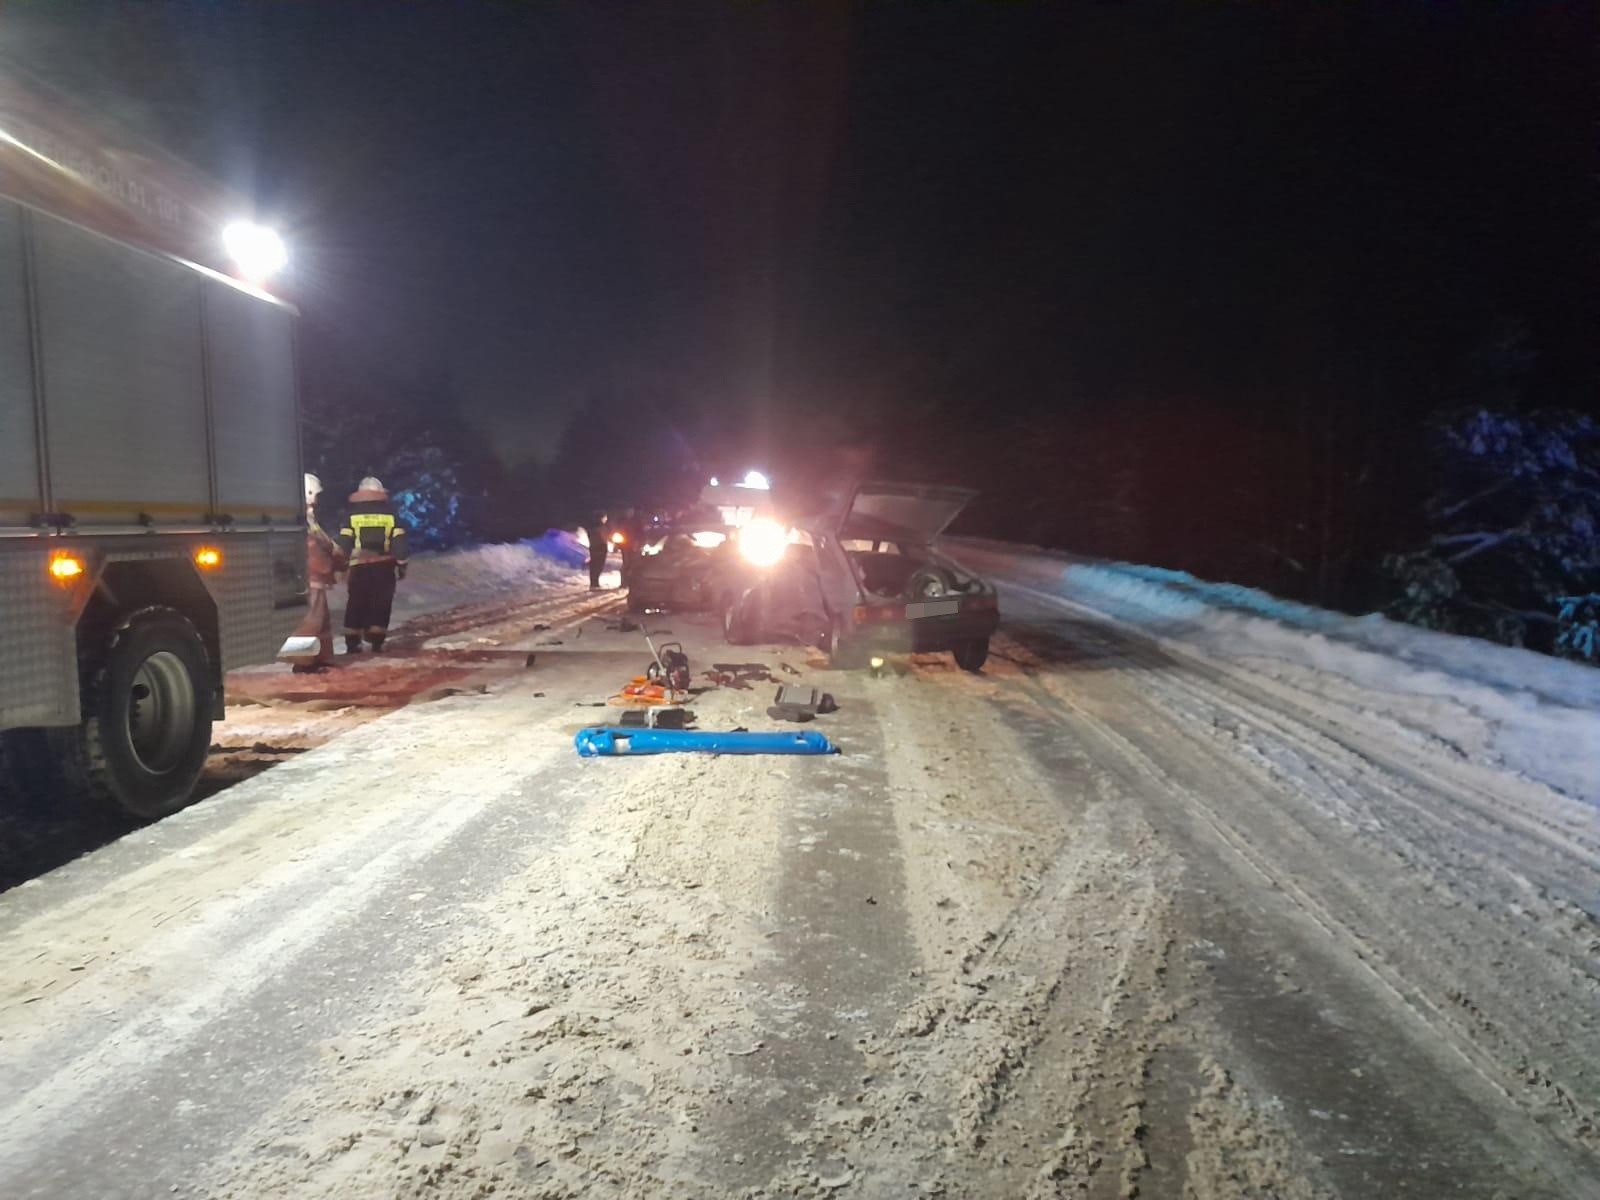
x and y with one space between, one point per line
374 540
631 528
598 530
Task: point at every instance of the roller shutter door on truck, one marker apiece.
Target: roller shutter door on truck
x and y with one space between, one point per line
19 449
250 348
119 332
38 662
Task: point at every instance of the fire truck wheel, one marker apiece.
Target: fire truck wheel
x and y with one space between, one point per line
147 715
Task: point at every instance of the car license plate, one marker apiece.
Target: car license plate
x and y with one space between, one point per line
934 608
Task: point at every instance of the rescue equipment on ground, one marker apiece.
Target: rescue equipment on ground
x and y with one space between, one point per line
611 741
641 693
671 668
665 680
299 646
800 704
656 718
668 668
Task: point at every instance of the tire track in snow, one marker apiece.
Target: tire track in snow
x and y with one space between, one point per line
162 1014
1499 1034
1506 803
1048 1058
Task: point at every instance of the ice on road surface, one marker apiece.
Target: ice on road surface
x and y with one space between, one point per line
1528 712
1185 895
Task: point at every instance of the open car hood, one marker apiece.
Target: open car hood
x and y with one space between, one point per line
912 512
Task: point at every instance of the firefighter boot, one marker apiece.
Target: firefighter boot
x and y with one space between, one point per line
352 645
375 640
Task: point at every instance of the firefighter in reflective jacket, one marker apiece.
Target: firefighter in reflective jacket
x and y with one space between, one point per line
375 542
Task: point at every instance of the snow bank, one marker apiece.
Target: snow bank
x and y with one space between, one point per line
473 574
562 546
1536 715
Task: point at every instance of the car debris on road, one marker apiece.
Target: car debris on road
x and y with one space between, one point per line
799 704
739 676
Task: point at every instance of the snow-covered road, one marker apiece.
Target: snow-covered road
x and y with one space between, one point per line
1144 909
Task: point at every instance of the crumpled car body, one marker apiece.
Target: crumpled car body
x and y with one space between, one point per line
861 578
683 567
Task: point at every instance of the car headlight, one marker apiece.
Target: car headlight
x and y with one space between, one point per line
763 541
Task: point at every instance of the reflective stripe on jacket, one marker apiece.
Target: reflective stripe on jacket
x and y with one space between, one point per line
372 534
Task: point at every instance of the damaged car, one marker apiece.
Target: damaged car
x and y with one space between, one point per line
860 578
683 566
691 561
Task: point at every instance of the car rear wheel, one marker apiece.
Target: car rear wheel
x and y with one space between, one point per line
970 656
741 621
844 652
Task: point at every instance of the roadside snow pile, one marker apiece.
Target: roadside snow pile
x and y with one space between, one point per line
562 546
1536 715
474 574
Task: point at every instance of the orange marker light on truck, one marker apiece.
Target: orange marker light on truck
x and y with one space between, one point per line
65 567
208 558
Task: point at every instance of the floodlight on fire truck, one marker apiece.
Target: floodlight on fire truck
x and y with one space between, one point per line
257 252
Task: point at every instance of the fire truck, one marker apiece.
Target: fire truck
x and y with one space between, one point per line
152 524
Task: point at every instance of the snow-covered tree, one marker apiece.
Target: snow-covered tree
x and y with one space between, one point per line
1514 552
431 465
427 491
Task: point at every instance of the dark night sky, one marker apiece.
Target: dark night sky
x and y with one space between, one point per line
1020 205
